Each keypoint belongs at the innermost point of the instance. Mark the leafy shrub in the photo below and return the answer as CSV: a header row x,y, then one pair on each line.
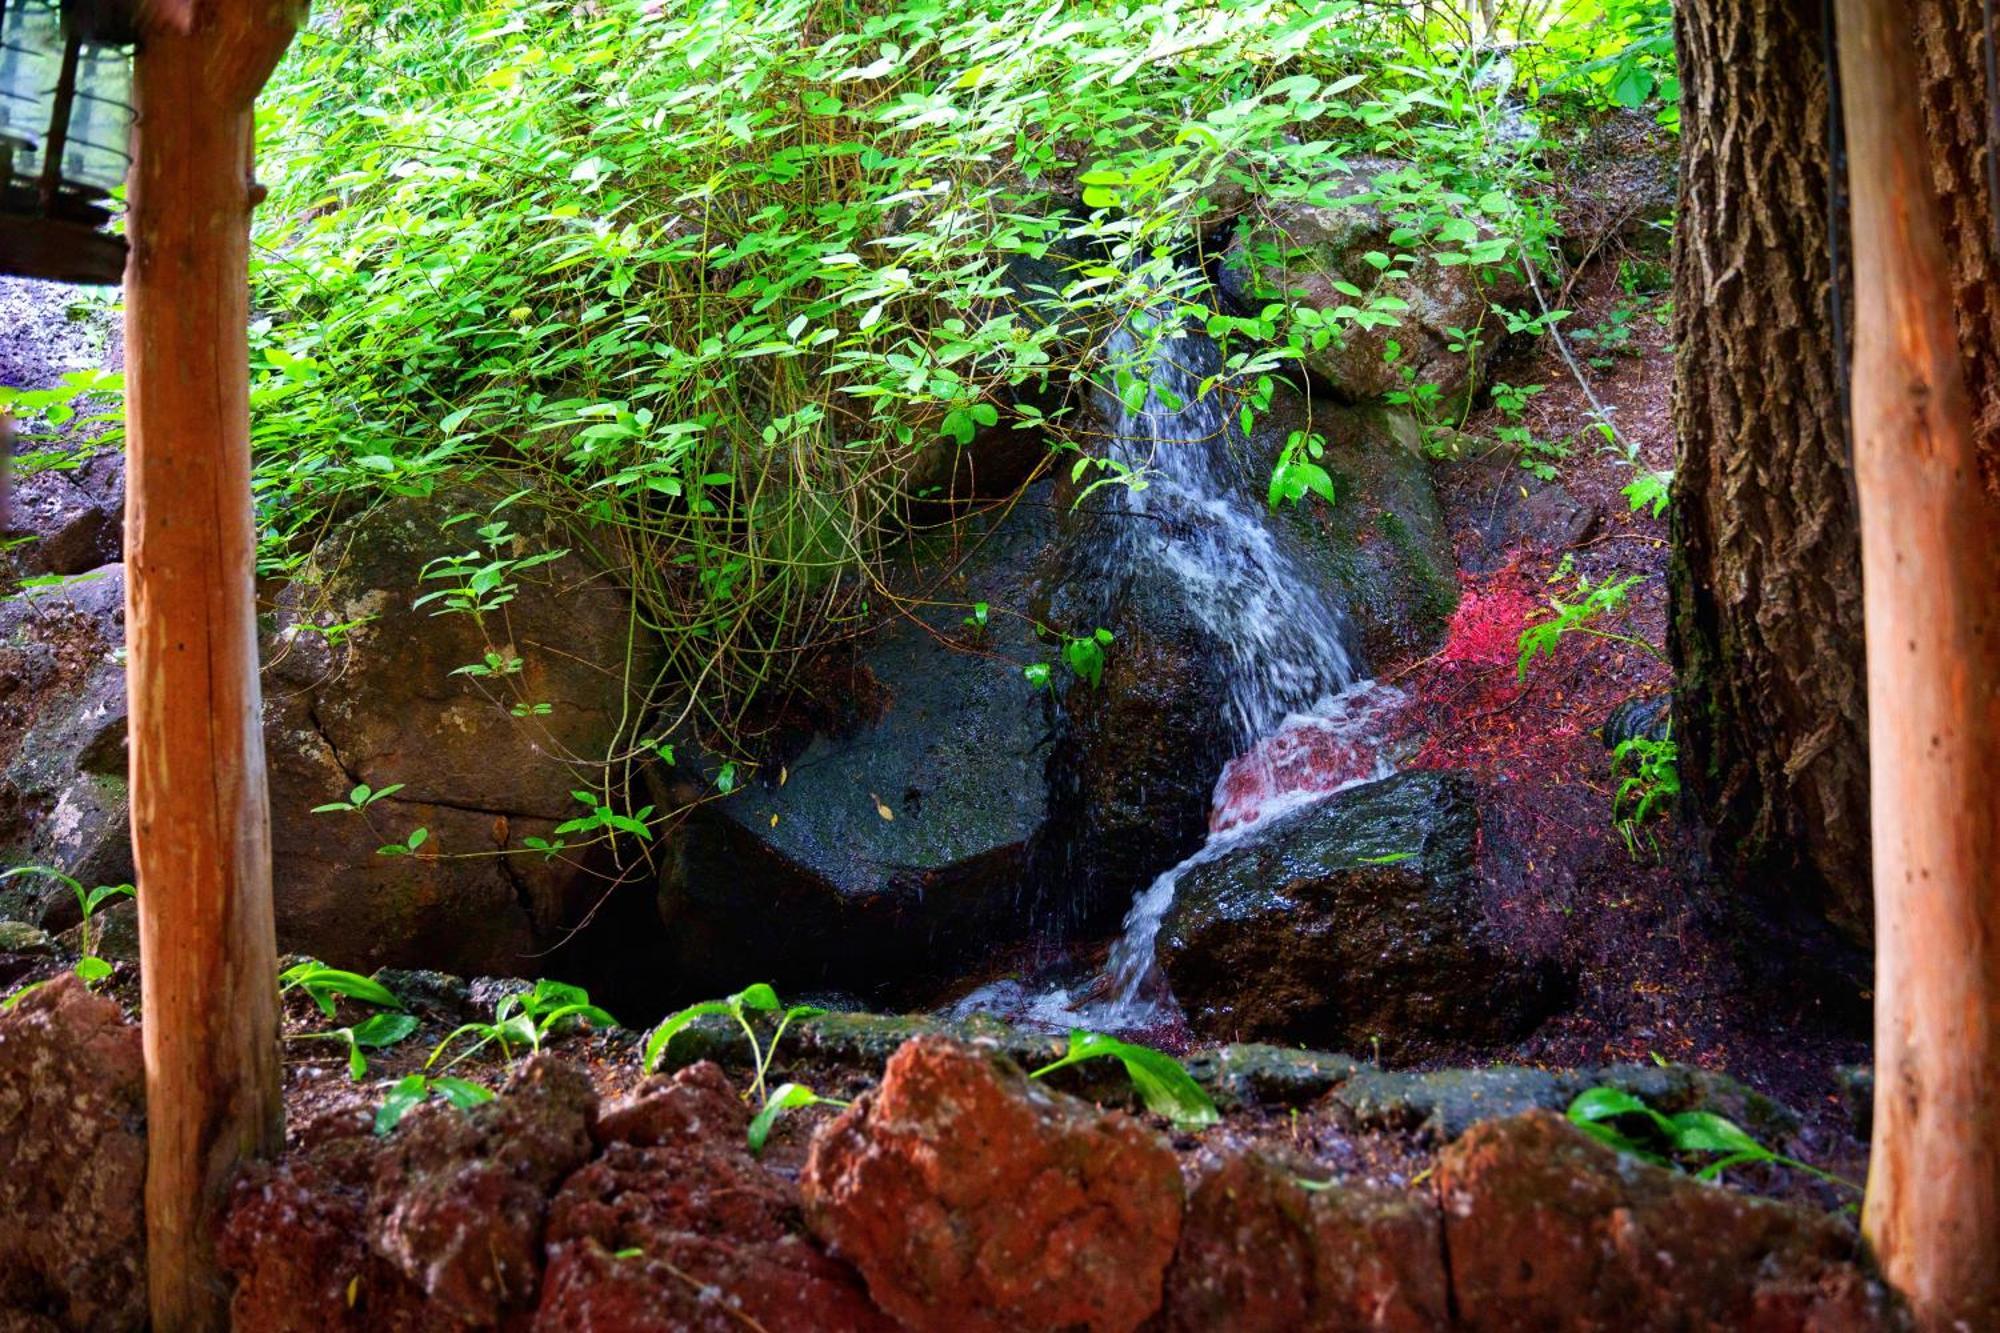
x,y
718,283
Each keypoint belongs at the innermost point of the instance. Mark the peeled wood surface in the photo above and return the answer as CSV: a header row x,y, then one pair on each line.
x,y
199,807
1931,569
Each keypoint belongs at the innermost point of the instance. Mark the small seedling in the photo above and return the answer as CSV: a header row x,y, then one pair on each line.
x,y
372,1033
412,1089
752,999
1162,1083
360,798
526,1020
785,1097
408,846
1617,1118
89,967
326,984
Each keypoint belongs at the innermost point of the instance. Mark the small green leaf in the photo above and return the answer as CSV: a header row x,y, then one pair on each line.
x,y
788,1097
656,1045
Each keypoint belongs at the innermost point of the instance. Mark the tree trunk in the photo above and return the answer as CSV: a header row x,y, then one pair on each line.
x,y
1931,566
199,808
1951,50
1766,632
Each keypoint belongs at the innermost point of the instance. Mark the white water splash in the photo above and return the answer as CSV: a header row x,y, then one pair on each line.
x,y
1197,519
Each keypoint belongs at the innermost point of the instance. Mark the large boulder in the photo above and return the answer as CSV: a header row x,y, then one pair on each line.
x,y
972,1199
363,686
1305,250
63,787
72,1135
1548,1229
1136,755
1355,920
1264,1251
896,833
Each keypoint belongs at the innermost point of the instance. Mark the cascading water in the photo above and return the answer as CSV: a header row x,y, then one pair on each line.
x,y
1300,715
1287,643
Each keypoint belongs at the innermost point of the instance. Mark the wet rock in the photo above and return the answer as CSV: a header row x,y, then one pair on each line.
x,y
1136,755
676,1227
1650,718
435,995
76,517
1258,1251
458,1197
378,703
1256,1074
1549,1229
1354,920
1509,508
63,791
1619,188
973,1199
1301,250
898,836
18,937
1383,541
72,1135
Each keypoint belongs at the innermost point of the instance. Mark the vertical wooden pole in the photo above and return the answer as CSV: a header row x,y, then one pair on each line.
x,y
1930,542
199,806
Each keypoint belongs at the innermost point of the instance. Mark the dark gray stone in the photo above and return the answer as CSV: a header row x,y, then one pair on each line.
x,y
898,838
1355,920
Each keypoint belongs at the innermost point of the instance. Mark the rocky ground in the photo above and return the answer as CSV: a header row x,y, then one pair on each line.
x,y
949,1192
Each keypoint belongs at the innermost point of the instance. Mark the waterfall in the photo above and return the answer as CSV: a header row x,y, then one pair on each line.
x,y
1302,718
1197,519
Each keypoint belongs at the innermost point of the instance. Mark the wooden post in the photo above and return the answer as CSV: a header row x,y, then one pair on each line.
x,y
200,831
1930,540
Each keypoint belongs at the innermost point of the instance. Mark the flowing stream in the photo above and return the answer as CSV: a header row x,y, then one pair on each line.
x,y
1301,716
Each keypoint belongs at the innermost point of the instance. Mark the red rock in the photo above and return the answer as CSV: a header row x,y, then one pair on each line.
x,y
972,1199
1547,1229
1260,1252
72,1141
696,1103
296,1244
710,1240
458,1197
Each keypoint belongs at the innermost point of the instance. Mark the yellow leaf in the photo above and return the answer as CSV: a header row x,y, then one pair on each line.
x,y
783,774
774,821
882,809
353,1290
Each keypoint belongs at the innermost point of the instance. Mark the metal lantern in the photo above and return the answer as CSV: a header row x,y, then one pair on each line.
x,y
65,129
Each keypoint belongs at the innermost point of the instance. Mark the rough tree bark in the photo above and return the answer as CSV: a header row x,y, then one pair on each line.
x,y
199,807
1931,569
1767,629
1767,579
